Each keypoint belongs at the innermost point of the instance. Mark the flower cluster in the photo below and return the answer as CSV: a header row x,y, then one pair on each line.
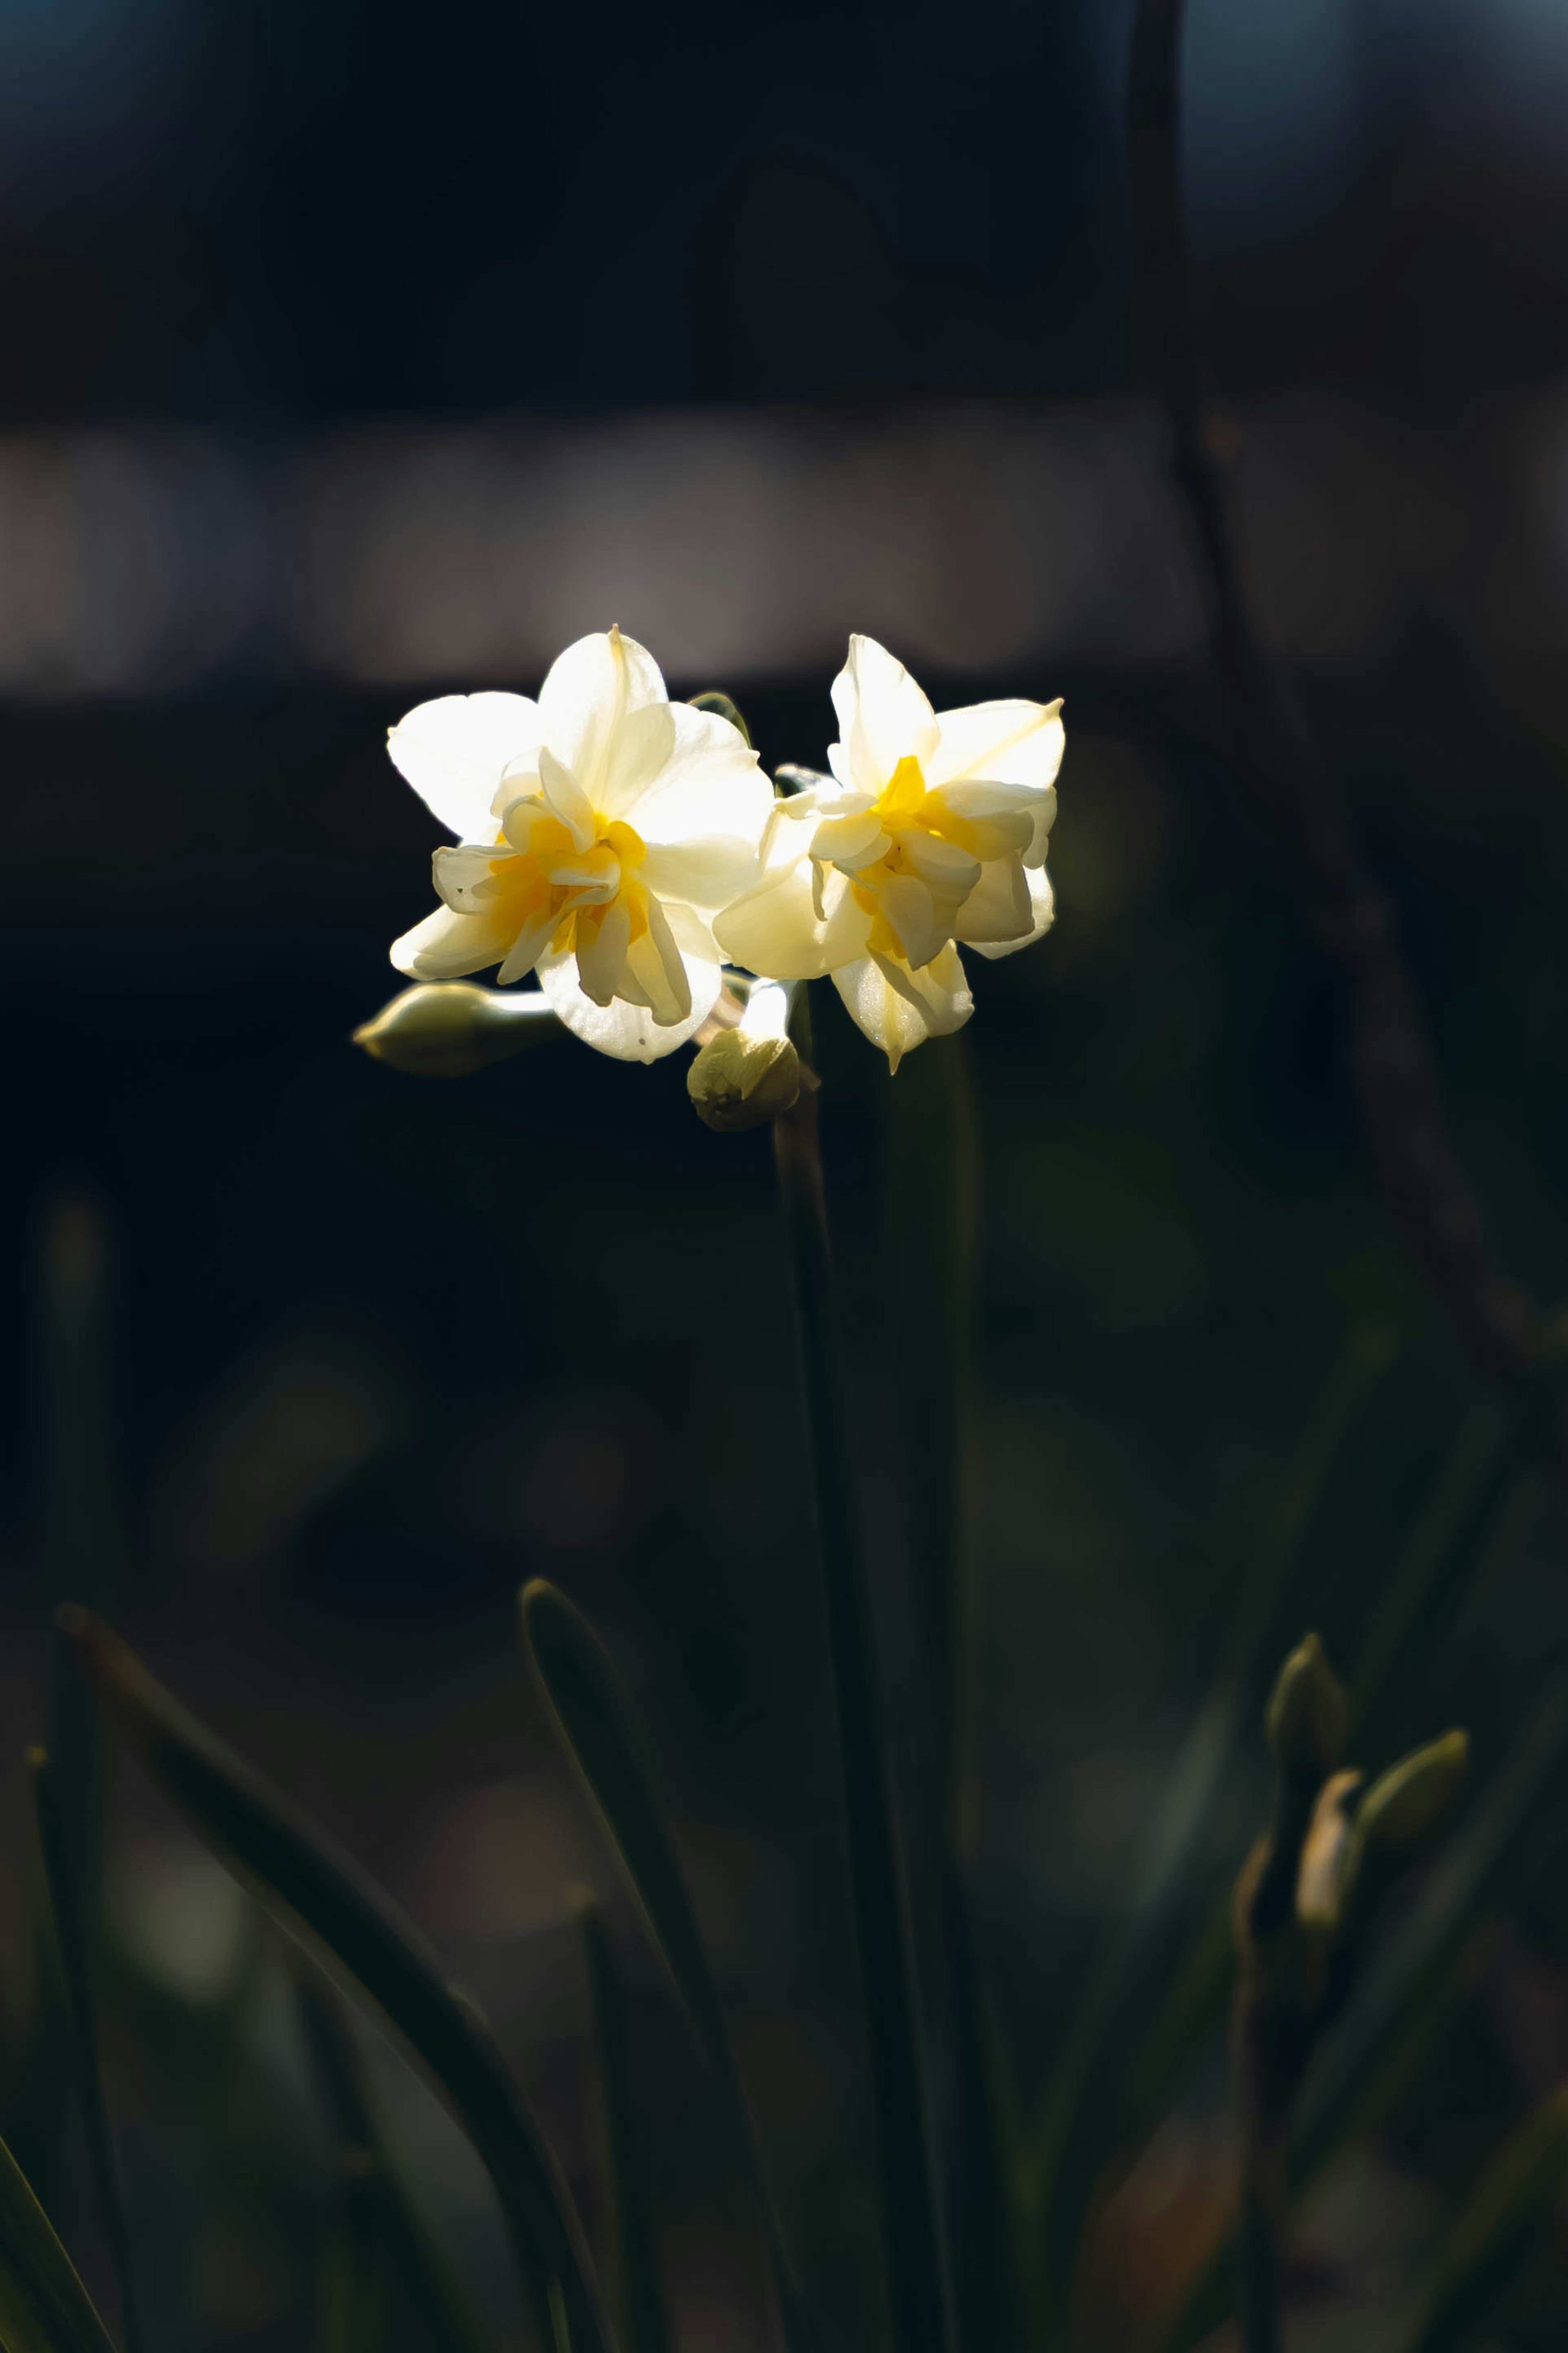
x,y
626,848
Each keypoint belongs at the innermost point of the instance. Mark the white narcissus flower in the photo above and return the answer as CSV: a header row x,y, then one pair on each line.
x,y
601,829
935,837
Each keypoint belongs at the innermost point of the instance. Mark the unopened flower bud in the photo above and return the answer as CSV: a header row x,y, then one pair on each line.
x,y
740,1080
450,1029
1308,1718
1405,1804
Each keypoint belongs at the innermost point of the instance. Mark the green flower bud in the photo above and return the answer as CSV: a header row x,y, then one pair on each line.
x,y
1307,1720
740,1080
1405,1804
450,1029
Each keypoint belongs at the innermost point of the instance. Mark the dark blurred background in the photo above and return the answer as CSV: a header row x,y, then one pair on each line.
x,y
354,354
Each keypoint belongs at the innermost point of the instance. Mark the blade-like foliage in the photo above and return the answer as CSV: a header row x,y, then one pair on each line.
x,y
381,2258
638,2275
1079,2126
311,1889
1497,2230
590,1713
44,2307
70,1939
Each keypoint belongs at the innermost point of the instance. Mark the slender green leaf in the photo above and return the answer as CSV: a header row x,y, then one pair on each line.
x,y
1485,1455
1495,2232
323,1897
380,2256
1081,2125
44,2307
70,1939
634,2228
912,2208
590,1713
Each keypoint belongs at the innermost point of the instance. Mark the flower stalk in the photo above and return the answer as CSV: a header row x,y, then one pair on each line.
x,y
911,2220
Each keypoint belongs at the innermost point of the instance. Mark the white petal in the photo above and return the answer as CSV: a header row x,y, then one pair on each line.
x,y
949,872
995,819
998,909
1045,817
851,842
628,1032
703,872
912,911
776,929
883,717
899,1009
527,947
566,798
446,946
637,753
465,876
590,690
452,752
1011,743
521,817
711,784
602,952
657,964
693,934
1042,907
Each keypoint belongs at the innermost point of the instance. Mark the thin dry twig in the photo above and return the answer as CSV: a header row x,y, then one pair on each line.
x,y
1394,1069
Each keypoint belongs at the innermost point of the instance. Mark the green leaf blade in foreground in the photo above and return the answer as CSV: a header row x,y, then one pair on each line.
x,y
586,1704
349,1922
1496,2233
640,2303
71,1943
44,2307
379,2253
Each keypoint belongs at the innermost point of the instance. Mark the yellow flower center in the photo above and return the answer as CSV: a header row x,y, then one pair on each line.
x,y
552,875
908,811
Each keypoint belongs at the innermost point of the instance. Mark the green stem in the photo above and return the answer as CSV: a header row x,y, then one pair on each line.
x,y
911,2213
931,1226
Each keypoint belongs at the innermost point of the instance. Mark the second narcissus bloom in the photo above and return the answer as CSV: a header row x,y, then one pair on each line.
x,y
932,836
601,829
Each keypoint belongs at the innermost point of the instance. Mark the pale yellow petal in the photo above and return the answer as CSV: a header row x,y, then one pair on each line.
x,y
566,798
777,929
899,1009
911,910
883,717
949,872
453,750
602,952
1042,907
629,1032
998,913
657,962
447,946
711,784
1009,743
466,877
527,947
851,842
590,690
